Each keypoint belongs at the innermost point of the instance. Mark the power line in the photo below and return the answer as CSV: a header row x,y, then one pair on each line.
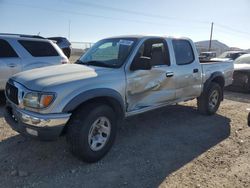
x,y
95,5
125,11
149,15
94,15
228,34
232,29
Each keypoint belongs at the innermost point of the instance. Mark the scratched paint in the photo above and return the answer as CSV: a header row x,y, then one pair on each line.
x,y
147,88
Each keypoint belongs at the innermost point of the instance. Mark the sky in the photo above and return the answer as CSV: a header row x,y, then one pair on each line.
x,y
90,21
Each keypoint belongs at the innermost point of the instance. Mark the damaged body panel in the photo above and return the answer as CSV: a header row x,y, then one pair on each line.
x,y
149,88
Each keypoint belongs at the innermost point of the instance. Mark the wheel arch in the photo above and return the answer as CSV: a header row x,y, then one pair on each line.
x,y
102,95
216,77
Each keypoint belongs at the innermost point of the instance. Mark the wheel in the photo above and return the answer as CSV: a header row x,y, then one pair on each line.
x,y
91,131
209,101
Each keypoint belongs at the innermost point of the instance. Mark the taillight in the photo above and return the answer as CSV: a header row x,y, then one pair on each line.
x,y
64,61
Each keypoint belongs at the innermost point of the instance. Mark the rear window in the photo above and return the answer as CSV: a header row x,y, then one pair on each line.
x,y
183,52
6,50
39,48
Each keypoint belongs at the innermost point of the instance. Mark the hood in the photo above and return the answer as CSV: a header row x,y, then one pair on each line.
x,y
242,67
37,79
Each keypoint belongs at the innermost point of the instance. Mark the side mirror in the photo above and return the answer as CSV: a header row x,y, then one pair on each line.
x,y
141,63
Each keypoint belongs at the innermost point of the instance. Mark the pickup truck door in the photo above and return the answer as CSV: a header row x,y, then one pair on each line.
x,y
154,87
188,73
10,63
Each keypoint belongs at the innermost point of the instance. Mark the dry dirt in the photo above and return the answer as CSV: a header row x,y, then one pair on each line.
x,y
171,147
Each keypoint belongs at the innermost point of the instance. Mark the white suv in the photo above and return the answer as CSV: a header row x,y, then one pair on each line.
x,y
23,52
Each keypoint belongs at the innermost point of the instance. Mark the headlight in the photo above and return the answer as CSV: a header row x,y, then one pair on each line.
x,y
38,100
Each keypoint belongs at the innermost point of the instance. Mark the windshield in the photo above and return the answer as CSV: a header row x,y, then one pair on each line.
x,y
108,52
243,60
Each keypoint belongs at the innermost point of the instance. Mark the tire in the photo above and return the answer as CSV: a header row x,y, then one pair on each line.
x,y
2,98
86,129
248,119
207,103
241,82
247,86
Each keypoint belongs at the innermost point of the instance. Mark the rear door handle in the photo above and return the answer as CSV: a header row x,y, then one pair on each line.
x,y
12,65
195,70
169,74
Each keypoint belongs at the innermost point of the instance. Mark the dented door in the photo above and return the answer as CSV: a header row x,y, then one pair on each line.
x,y
149,88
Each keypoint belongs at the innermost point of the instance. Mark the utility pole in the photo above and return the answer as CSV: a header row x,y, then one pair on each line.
x,y
211,36
69,30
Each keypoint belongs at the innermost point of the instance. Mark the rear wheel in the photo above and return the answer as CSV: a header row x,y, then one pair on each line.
x,y
91,132
209,101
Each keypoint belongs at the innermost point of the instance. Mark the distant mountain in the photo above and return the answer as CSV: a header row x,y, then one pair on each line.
x,y
216,46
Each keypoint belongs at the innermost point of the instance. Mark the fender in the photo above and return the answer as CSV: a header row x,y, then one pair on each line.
x,y
94,93
219,77
212,77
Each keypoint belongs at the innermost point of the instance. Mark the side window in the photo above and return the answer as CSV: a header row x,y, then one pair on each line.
x,y
156,51
183,52
39,48
6,50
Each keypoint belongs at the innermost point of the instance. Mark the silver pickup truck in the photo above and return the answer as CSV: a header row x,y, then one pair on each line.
x,y
118,77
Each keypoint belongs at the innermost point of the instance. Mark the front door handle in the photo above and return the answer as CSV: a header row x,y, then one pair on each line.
x,y
195,70
169,74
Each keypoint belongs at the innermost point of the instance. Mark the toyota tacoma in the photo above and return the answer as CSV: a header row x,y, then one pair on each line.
x,y
118,77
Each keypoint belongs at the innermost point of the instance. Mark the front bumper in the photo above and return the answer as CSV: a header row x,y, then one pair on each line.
x,y
41,126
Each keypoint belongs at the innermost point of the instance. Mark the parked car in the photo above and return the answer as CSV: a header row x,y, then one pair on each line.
x,y
116,78
241,76
24,52
229,55
64,44
206,56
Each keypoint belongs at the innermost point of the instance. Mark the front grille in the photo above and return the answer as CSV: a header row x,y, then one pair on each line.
x,y
12,93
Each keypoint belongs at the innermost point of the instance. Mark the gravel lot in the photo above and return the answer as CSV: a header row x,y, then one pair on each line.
x,y
171,147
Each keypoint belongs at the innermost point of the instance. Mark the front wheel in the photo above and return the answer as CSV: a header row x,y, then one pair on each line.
x,y
209,101
92,131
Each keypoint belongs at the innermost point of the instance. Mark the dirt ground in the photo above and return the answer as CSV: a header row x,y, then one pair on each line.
x,y
171,147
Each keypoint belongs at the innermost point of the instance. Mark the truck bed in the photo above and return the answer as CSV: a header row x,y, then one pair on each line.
x,y
226,67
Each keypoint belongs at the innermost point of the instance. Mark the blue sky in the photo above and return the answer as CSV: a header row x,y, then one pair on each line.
x,y
94,20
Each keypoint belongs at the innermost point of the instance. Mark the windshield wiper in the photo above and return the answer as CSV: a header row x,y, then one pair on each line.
x,y
78,61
